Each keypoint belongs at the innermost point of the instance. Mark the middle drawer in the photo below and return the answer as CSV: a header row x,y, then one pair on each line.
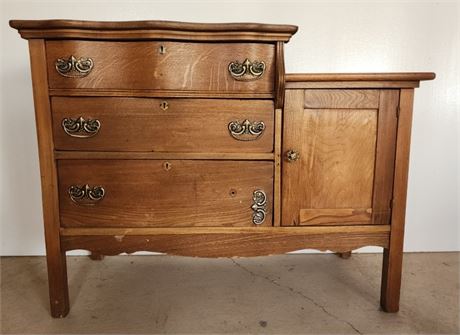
x,y
162,125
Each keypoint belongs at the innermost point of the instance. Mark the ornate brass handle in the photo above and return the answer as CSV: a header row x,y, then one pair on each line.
x,y
80,127
247,70
292,156
259,207
246,130
86,195
74,68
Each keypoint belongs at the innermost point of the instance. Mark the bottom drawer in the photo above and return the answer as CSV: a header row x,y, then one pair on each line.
x,y
160,193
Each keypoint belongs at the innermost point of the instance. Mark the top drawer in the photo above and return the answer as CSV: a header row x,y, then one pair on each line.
x,y
161,65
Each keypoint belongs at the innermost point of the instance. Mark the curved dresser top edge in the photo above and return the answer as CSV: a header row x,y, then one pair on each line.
x,y
126,30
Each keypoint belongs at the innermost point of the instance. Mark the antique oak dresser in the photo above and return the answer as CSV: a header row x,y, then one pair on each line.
x,y
190,139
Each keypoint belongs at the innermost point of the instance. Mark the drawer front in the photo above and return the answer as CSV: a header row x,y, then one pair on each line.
x,y
161,66
158,193
173,125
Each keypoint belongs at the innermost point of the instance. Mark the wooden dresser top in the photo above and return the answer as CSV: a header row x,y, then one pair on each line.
x,y
356,80
127,30
332,77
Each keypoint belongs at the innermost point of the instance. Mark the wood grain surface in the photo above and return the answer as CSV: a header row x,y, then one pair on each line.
x,y
55,255
358,84
337,156
138,30
342,99
389,76
333,215
393,254
187,125
242,242
150,93
183,66
171,193
385,156
163,155
152,24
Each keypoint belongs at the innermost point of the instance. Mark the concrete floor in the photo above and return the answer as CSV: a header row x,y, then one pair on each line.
x,y
290,294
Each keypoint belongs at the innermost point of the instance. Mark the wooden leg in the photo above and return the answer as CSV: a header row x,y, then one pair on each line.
x,y
393,255
57,280
55,256
96,257
344,255
391,280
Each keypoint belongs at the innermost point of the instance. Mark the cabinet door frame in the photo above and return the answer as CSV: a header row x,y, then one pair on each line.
x,y
386,104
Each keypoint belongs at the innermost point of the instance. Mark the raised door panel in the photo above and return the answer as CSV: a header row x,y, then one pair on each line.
x,y
343,155
159,193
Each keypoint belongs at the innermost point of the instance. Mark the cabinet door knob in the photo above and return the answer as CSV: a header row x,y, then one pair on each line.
x,y
292,156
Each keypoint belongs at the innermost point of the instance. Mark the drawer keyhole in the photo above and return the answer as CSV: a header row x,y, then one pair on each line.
x,y
167,166
164,105
162,49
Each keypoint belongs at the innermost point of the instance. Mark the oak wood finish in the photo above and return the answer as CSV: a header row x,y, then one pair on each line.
x,y
174,179
277,166
161,193
138,30
385,156
225,230
191,27
163,155
333,179
55,254
66,92
322,99
186,125
224,242
183,66
392,256
279,75
313,216
352,84
359,77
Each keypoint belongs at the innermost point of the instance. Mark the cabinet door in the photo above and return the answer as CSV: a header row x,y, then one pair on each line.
x,y
339,151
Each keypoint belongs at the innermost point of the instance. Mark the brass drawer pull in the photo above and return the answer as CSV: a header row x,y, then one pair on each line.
x,y
80,127
247,70
86,195
246,130
74,68
292,156
259,207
